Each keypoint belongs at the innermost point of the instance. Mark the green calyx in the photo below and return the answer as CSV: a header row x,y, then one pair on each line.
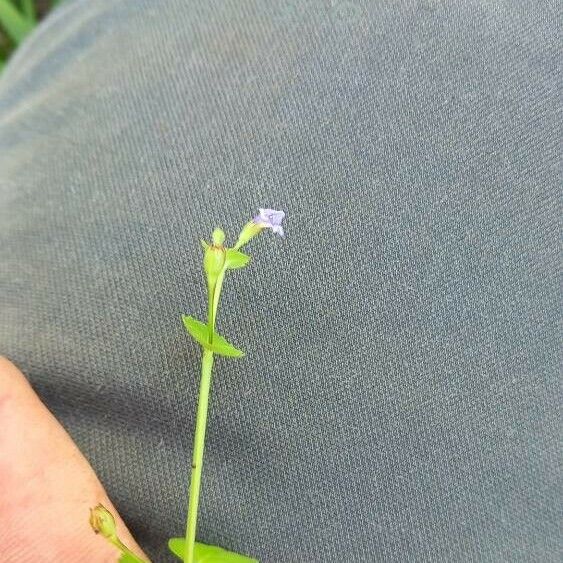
x,y
249,231
216,261
103,523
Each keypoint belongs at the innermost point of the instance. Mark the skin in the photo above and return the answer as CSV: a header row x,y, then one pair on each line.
x,y
46,485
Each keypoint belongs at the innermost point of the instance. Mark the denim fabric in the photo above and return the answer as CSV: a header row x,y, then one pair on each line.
x,y
401,395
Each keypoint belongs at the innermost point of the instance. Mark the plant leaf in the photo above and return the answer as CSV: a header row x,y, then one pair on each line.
x,y
223,348
196,329
176,546
13,22
235,259
200,333
207,553
129,558
28,8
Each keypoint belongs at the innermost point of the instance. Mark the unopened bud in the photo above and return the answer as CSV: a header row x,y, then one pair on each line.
x,y
103,522
218,237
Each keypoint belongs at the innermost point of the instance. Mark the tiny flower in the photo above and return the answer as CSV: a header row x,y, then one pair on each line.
x,y
270,219
102,522
266,219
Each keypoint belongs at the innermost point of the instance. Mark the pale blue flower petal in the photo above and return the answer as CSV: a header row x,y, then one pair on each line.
x,y
270,219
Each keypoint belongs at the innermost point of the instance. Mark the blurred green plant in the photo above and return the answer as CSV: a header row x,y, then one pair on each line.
x,y
17,20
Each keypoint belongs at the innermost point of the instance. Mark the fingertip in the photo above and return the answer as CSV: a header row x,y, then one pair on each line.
x,y
13,383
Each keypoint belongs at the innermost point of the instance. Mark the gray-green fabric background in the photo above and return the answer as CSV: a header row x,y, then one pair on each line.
x,y
401,395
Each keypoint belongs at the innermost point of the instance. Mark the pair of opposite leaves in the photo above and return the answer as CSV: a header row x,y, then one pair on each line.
x,y
200,331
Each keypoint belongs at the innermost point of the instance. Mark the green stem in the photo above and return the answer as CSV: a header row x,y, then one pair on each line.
x,y
197,460
125,550
213,294
216,295
210,321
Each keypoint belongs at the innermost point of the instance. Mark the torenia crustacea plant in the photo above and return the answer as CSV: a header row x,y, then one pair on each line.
x,y
217,261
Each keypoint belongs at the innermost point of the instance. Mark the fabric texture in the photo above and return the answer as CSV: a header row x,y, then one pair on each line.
x,y
400,398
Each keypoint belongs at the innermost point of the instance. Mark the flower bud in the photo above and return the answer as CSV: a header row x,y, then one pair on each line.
x,y
218,237
102,522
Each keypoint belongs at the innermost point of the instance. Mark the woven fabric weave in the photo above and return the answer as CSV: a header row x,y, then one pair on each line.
x,y
400,399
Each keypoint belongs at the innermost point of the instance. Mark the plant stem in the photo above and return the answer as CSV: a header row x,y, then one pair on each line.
x,y
126,551
197,459
213,293
216,295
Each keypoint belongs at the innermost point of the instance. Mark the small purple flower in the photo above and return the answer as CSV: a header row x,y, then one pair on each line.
x,y
270,219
